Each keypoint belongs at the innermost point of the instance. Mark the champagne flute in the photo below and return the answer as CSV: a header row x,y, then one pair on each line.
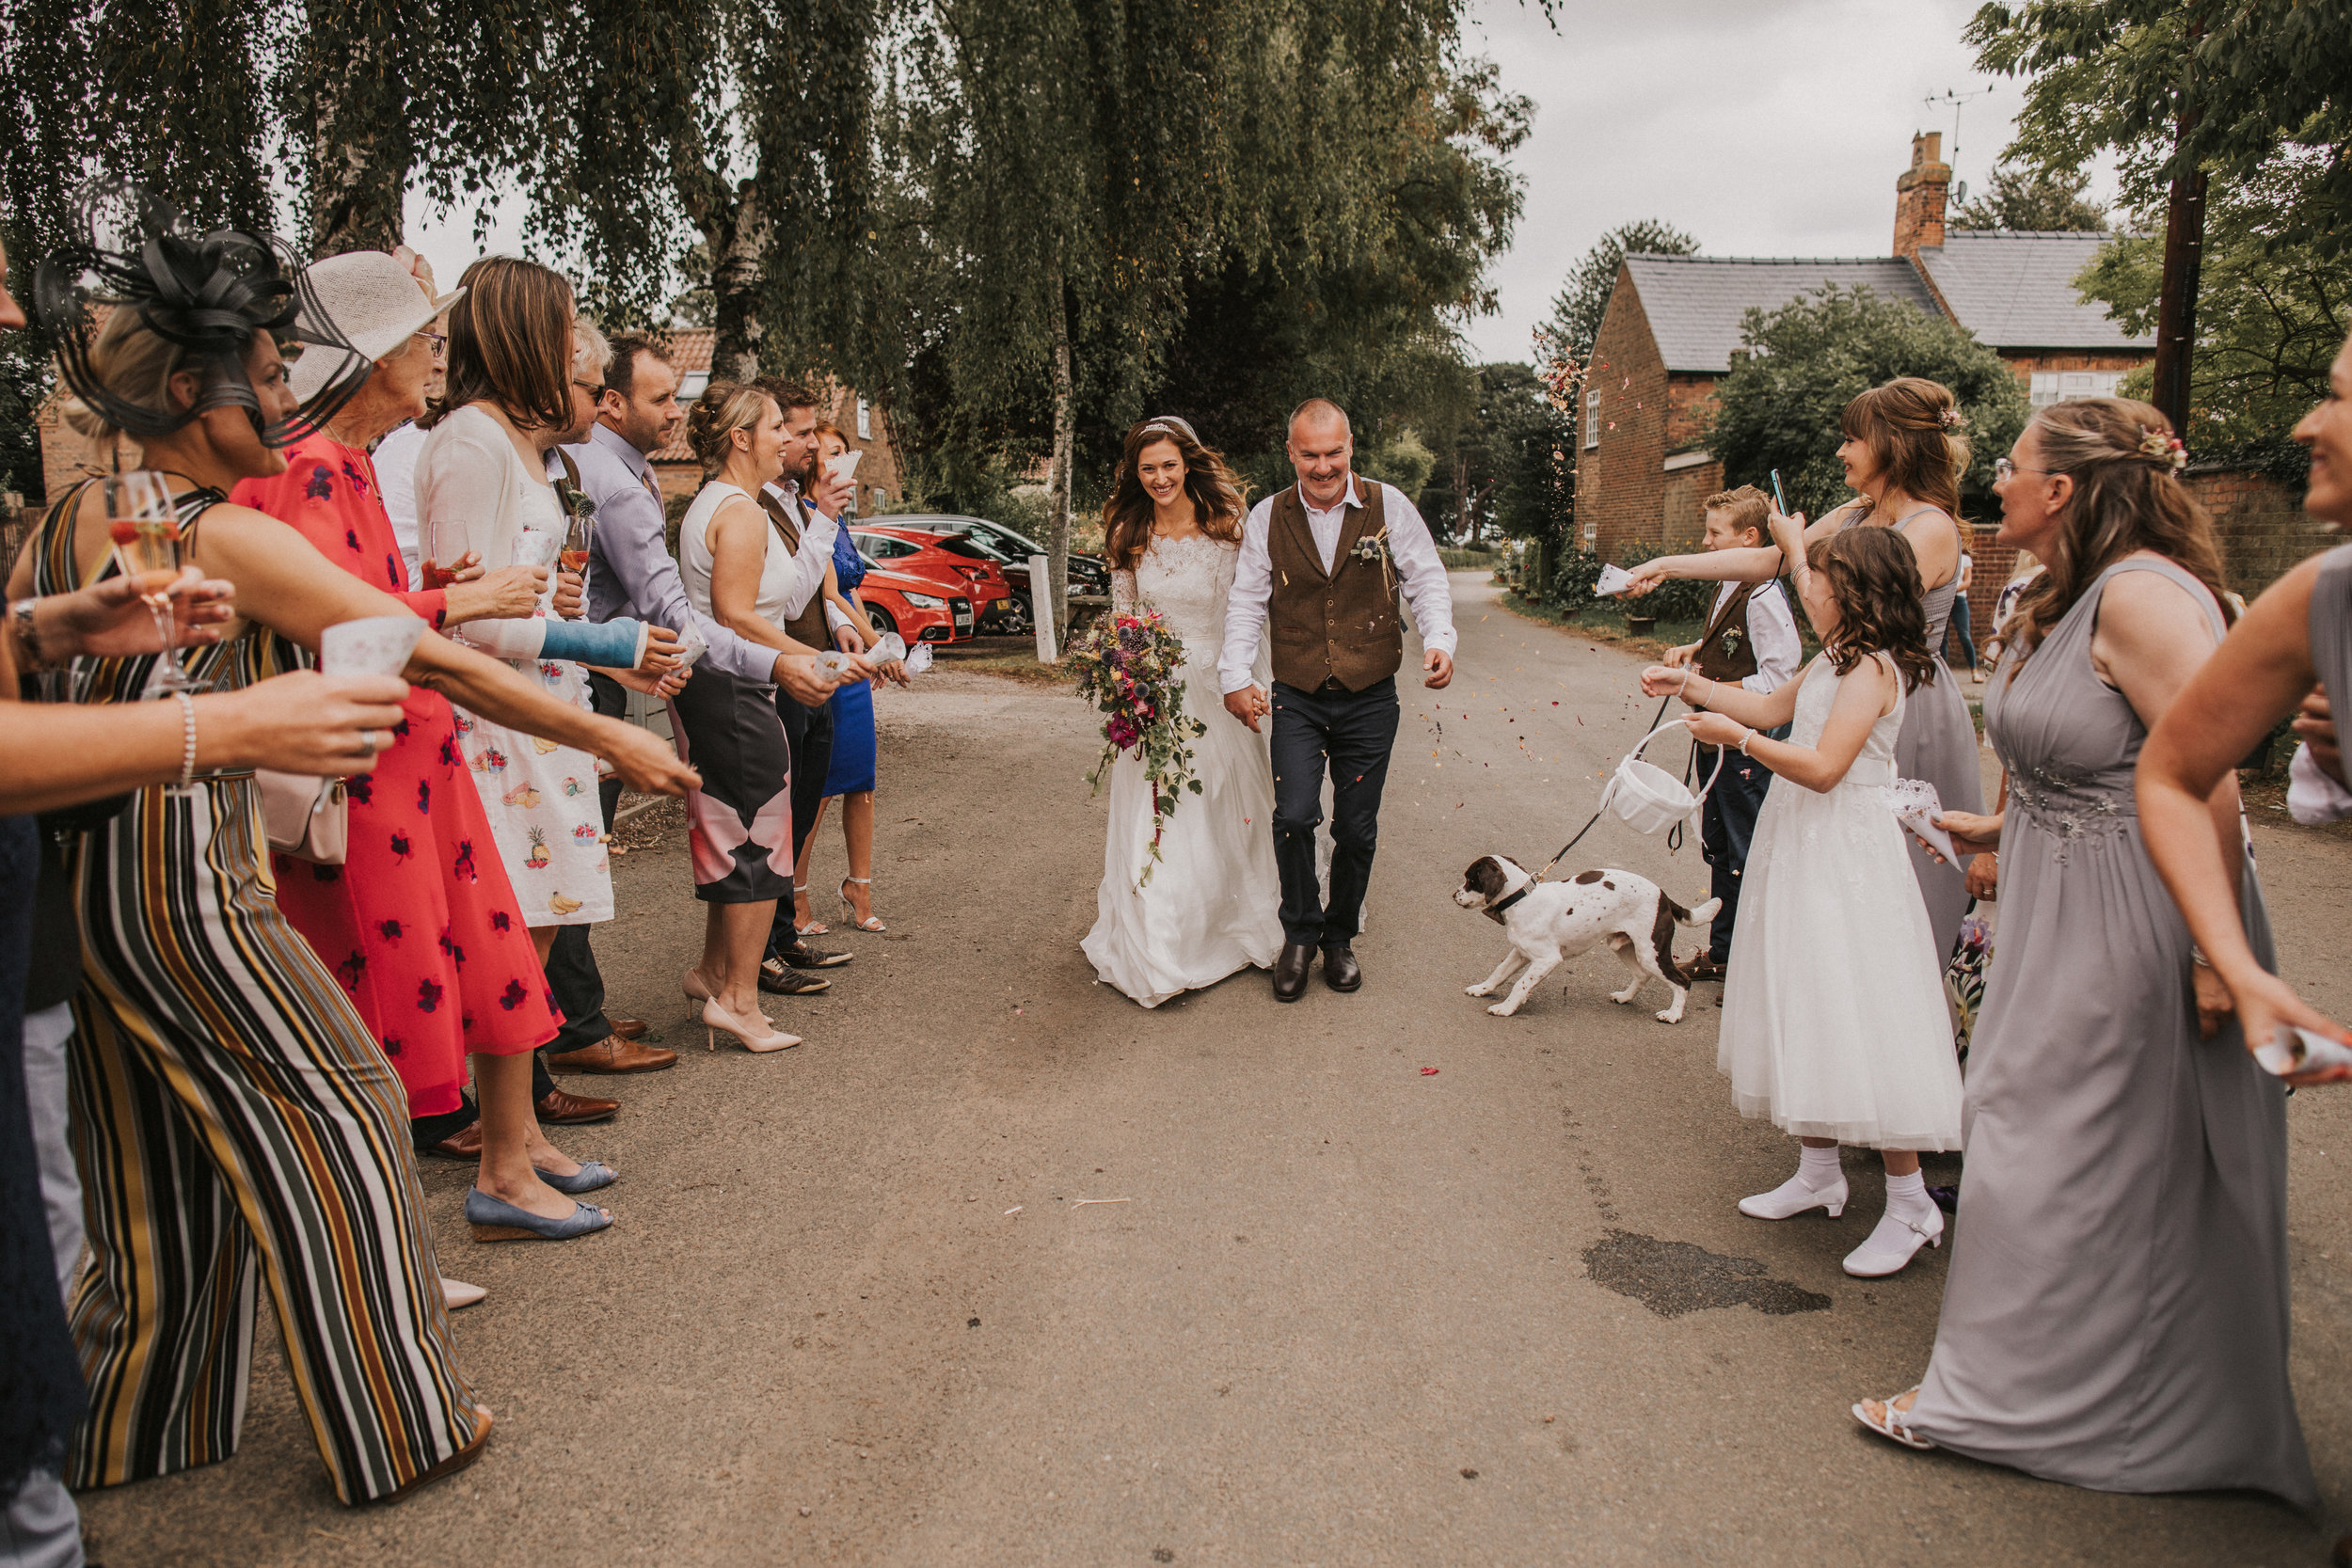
x,y
579,536
144,525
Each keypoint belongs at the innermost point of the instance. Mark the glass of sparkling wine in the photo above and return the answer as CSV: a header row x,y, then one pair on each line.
x,y
578,538
144,528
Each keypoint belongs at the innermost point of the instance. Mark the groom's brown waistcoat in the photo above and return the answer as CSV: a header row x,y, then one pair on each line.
x,y
1342,624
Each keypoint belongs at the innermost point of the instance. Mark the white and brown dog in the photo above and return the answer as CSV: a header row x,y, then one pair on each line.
x,y
1549,922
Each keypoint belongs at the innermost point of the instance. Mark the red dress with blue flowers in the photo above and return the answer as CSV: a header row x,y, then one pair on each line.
x,y
420,922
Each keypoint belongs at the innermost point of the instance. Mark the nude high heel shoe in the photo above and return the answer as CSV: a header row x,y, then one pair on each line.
x,y
694,986
756,1033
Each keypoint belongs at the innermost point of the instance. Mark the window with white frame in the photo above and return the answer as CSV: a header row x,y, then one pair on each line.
x,y
1592,418
2066,386
864,420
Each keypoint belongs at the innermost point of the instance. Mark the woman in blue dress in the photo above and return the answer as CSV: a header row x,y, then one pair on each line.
x,y
851,776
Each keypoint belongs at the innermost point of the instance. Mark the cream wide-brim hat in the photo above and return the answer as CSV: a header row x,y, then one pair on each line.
x,y
370,302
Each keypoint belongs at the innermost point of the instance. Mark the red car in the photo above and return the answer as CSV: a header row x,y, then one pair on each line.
x,y
918,608
957,564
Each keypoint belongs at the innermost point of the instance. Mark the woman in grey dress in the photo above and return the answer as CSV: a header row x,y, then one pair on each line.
x,y
1902,455
2116,1315
2298,632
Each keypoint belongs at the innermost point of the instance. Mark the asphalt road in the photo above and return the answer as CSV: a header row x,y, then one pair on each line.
x,y
863,1302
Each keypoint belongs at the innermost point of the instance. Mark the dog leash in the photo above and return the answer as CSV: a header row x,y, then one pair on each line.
x,y
1674,839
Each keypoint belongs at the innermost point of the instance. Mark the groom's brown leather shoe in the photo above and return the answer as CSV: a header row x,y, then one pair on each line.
x,y
1290,971
1339,967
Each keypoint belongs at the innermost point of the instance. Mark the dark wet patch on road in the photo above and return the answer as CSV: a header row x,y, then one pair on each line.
x,y
1673,1277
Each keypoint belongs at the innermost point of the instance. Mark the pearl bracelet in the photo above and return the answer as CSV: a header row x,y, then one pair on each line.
x,y
187,750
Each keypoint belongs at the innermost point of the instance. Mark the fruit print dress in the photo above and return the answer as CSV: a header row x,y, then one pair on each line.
x,y
419,924
474,493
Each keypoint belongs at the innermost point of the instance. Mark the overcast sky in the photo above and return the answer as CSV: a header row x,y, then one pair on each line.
x,y
1763,127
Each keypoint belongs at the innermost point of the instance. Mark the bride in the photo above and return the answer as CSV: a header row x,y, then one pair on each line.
x,y
1171,534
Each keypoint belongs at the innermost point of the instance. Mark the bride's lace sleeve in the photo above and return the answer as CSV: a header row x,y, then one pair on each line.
x,y
1124,595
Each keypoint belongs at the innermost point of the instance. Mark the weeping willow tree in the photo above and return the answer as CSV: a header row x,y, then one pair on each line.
x,y
1194,204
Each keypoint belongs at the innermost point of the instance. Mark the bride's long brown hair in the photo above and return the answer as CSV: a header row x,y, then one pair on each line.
x,y
1218,497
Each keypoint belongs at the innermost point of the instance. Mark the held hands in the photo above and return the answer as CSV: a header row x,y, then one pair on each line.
x,y
1247,702
1440,667
301,722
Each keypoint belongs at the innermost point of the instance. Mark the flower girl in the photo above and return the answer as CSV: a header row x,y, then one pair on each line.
x,y
1833,1018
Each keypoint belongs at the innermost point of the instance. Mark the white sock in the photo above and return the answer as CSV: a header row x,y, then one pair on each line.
x,y
1817,1167
1907,1197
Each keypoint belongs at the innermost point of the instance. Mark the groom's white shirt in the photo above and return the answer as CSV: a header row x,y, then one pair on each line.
x,y
1410,545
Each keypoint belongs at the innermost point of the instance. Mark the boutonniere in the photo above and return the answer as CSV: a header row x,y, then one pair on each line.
x,y
575,501
1374,547
1730,641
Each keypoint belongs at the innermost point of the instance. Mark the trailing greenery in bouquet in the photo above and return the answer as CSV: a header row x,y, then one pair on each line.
x,y
1128,666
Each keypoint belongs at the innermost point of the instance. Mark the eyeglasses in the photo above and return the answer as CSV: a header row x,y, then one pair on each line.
x,y
593,389
437,341
2004,470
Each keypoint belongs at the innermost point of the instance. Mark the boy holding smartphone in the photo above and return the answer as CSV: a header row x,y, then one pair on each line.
x,y
1751,639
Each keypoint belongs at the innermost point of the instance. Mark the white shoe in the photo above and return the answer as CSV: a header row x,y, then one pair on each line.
x,y
456,1293
1892,1244
1793,1197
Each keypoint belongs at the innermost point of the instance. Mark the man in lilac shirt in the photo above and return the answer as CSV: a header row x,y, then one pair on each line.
x,y
631,572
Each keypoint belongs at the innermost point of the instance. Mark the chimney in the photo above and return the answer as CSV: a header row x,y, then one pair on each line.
x,y
1919,195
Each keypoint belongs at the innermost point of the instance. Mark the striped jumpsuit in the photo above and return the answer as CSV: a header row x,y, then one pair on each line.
x,y
236,1127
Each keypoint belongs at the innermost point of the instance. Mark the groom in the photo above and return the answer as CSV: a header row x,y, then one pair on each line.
x,y
1322,563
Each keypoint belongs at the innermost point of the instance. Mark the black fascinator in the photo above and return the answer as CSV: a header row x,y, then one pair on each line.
x,y
208,294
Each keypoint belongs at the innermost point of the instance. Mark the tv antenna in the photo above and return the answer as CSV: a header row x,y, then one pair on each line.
x,y
1958,101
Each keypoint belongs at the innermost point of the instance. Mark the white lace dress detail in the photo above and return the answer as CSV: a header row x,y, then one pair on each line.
x,y
1213,905
1835,1024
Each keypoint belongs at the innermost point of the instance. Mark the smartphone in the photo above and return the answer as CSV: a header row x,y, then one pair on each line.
x,y
1780,497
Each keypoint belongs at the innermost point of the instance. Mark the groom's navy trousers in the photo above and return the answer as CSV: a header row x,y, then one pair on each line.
x,y
1353,731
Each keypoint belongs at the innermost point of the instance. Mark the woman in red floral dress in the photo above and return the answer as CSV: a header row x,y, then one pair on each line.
x,y
419,922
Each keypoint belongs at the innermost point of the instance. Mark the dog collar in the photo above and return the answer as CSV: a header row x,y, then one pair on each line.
x,y
1509,898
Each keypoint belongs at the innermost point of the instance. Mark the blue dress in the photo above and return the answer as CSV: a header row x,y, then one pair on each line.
x,y
852,766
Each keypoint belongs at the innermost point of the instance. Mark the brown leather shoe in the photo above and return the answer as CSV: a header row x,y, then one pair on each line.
x,y
1290,971
613,1054
464,1144
558,1109
628,1028
1339,967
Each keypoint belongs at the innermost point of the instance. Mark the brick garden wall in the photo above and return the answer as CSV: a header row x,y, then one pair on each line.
x,y
2261,524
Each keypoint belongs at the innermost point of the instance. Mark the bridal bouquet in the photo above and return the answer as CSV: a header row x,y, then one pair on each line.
x,y
1128,665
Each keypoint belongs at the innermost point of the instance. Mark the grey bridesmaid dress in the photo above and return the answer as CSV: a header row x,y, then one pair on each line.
x,y
1938,743
2116,1314
2330,629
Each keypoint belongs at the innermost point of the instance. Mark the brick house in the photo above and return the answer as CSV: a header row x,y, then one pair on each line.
x,y
1673,325
879,483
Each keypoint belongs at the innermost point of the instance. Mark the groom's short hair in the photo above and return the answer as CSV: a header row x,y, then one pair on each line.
x,y
1318,409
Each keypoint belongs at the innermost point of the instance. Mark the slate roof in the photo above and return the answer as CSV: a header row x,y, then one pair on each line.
x,y
1694,303
690,348
2015,289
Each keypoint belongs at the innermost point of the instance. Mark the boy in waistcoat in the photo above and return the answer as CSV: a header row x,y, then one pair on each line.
x,y
1750,638
1321,565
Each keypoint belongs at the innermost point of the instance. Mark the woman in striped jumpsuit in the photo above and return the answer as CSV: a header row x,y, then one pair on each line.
x,y
230,1109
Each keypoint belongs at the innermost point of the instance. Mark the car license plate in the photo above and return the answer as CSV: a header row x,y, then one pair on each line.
x,y
964,615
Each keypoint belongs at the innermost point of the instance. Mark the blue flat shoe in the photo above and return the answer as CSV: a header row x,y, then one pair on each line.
x,y
591,1175
497,1220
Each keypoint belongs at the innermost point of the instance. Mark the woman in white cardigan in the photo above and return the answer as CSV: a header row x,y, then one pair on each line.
x,y
480,482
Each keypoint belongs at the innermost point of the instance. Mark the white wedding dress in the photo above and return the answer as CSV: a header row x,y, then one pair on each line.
x,y
1213,905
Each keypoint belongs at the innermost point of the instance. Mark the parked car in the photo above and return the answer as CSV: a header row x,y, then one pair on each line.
x,y
918,608
957,564
1090,576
